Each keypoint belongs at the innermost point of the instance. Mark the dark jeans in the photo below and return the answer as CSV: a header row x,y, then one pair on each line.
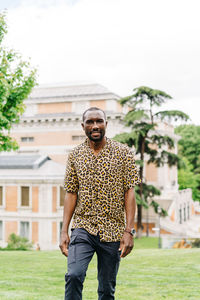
x,y
81,250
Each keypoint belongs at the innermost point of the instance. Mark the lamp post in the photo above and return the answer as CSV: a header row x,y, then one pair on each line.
x,y
159,210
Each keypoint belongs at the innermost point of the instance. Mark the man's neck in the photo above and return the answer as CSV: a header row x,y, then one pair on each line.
x,y
97,146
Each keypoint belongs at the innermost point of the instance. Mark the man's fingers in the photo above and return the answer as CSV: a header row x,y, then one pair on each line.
x,y
123,251
64,248
65,252
126,250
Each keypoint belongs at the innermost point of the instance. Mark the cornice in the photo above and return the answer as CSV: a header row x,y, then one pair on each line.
x,y
44,120
72,98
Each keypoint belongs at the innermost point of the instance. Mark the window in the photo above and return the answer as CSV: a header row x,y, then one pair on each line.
x,y
24,229
1,195
27,139
62,196
24,196
1,230
78,138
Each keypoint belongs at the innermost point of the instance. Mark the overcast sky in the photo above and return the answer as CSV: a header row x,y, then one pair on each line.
x,y
121,44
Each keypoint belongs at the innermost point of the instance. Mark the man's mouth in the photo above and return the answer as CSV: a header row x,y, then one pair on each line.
x,y
95,133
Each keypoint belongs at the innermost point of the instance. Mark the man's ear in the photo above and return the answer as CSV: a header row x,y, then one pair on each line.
x,y
82,124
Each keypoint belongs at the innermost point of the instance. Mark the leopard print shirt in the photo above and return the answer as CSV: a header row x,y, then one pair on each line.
x,y
100,182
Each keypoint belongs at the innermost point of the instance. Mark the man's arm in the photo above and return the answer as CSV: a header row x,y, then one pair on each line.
x,y
69,207
126,243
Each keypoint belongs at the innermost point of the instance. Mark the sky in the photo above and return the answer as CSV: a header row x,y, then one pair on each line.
x,y
121,44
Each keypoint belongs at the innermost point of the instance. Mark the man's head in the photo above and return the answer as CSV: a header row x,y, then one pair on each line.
x,y
94,124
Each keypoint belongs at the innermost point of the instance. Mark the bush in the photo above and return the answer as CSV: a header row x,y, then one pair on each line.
x,y
196,243
16,242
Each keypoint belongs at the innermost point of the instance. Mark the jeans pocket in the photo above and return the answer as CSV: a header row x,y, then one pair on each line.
x,y
72,250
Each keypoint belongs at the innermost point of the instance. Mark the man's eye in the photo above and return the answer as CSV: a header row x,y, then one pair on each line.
x,y
89,122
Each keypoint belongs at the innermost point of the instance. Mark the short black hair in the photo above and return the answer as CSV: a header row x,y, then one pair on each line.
x,y
92,109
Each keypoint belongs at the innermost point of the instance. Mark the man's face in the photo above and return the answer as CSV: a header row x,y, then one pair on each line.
x,y
94,125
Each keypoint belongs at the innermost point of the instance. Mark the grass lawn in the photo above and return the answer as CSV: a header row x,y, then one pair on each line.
x,y
145,274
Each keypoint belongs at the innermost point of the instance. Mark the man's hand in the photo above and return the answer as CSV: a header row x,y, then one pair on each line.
x,y
126,244
64,243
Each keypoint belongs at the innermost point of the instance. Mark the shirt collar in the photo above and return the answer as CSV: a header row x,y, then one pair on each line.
x,y
106,146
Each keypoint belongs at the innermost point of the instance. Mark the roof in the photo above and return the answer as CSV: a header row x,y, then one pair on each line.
x,y
70,91
36,171
22,161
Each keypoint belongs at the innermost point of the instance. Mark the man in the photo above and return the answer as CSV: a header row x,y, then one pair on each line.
x,y
99,183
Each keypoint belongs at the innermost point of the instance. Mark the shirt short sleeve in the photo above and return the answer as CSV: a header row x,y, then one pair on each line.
x,y
131,176
71,184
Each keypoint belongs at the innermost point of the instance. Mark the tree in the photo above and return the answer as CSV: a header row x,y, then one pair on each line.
x,y
188,179
189,149
17,79
189,144
146,138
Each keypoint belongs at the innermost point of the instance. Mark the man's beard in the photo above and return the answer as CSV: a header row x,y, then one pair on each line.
x,y
95,139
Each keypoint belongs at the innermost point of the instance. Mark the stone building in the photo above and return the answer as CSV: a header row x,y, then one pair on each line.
x,y
31,179
31,199
51,123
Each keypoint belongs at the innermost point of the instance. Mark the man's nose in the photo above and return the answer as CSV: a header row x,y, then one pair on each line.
x,y
95,125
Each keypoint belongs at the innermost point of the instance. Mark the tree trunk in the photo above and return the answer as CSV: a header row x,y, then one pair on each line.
x,y
139,206
139,221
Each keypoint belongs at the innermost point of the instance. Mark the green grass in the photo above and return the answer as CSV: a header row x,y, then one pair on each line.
x,y
145,274
146,243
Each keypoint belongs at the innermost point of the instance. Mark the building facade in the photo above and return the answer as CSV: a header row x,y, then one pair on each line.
x,y
52,121
32,199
